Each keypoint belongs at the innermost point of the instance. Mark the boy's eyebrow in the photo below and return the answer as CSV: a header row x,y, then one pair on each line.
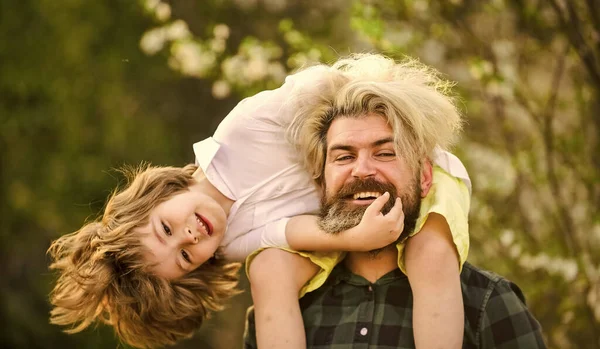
x,y
346,147
162,241
185,271
156,233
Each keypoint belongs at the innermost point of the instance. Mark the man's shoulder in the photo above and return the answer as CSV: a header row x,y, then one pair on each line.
x,y
481,287
496,311
474,277
478,283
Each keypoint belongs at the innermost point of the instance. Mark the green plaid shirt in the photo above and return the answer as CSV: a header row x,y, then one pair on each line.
x,y
350,312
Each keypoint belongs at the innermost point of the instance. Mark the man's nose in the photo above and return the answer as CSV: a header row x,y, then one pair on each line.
x,y
363,167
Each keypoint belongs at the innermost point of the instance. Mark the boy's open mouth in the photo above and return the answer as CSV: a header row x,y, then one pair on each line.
x,y
204,224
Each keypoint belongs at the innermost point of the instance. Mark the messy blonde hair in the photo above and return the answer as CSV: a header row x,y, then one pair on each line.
x,y
411,96
103,276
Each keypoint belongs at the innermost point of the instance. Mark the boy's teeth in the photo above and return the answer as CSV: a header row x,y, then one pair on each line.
x,y
366,194
202,223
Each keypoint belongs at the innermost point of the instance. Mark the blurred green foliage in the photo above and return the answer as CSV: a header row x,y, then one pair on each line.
x,y
88,87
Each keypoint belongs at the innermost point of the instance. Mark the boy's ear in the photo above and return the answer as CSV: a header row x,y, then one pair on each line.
x,y
426,177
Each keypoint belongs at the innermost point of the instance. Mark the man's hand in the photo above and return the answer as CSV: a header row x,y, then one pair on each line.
x,y
376,230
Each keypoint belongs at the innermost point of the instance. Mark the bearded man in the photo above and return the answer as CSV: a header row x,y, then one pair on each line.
x,y
361,139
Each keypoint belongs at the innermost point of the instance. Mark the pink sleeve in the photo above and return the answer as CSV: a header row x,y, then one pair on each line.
x,y
269,235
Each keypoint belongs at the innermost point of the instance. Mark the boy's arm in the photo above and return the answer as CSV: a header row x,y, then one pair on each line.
x,y
302,233
276,277
374,231
432,267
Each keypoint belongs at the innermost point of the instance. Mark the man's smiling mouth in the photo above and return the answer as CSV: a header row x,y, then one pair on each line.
x,y
366,195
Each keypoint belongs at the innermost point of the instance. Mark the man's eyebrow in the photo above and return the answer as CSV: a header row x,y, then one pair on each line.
x,y
335,147
346,147
383,141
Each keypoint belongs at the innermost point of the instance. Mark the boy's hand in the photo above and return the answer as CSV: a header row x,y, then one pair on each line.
x,y
376,230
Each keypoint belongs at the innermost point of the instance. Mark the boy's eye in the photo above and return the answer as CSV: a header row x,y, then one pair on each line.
x,y
185,256
166,229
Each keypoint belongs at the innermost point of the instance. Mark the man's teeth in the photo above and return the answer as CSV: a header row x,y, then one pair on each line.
x,y
366,194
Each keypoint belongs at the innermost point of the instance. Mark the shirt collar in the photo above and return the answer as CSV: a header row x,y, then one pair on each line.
x,y
205,151
342,274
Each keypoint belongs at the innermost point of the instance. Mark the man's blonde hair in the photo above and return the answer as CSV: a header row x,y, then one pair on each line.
x,y
103,276
411,96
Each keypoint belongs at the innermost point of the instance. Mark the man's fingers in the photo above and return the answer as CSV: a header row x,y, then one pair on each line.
x,y
376,206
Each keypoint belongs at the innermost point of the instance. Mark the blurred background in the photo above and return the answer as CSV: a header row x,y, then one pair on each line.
x,y
88,86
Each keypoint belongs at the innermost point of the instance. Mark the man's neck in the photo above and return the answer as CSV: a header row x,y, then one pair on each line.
x,y
373,266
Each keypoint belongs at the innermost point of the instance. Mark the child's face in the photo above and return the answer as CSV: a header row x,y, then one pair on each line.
x,y
183,233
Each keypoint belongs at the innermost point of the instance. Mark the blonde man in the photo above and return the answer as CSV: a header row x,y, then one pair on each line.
x,y
364,135
148,266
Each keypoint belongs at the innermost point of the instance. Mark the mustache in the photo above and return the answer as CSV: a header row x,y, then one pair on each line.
x,y
338,213
365,185
338,200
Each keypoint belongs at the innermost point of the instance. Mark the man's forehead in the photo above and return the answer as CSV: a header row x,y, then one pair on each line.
x,y
369,130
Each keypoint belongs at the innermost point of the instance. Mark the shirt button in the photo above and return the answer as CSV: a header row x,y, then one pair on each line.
x,y
370,288
364,331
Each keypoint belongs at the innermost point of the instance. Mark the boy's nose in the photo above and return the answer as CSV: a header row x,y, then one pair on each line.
x,y
190,236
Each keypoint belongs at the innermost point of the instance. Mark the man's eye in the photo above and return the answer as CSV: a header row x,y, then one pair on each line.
x,y
186,256
344,158
387,154
166,229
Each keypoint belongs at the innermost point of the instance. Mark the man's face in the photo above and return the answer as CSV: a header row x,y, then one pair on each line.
x,y
361,164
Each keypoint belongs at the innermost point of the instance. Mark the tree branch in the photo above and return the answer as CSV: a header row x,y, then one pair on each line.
x,y
573,32
594,11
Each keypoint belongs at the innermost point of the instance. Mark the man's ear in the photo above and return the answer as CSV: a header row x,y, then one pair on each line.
x,y
426,177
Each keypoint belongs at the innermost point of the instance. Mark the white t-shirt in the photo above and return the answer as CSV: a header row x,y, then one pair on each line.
x,y
249,160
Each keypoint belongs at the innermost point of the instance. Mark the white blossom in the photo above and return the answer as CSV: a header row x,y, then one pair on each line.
x,y
150,5
221,89
221,31
567,268
163,11
256,69
277,71
217,45
178,30
153,41
507,237
232,69
192,60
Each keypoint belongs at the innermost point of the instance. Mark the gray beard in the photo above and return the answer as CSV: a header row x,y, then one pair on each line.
x,y
338,214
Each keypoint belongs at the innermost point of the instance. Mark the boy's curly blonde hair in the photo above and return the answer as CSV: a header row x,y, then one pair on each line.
x,y
103,276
